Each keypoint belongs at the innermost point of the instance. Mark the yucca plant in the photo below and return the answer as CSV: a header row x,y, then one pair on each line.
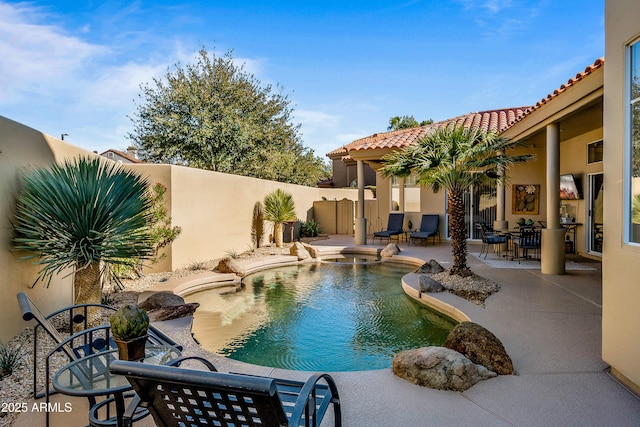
x,y
454,158
85,214
278,208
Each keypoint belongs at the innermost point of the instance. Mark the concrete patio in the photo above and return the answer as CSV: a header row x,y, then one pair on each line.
x,y
550,325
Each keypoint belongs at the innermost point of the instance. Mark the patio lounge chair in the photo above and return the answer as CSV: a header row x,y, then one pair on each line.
x,y
73,345
394,227
428,228
490,239
179,396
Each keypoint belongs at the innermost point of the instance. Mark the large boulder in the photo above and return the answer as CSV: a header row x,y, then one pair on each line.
x,y
480,346
430,267
390,250
161,299
440,368
166,306
230,265
298,250
173,312
428,284
312,251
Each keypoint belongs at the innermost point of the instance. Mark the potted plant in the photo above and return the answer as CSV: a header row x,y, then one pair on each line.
x,y
129,327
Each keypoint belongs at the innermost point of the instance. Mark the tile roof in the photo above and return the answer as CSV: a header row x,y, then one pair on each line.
x,y
122,154
598,63
493,120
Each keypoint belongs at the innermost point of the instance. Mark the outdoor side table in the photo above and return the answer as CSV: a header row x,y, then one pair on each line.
x,y
90,377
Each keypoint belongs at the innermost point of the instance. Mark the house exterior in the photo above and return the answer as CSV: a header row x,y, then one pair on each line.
x,y
563,132
621,258
345,171
130,157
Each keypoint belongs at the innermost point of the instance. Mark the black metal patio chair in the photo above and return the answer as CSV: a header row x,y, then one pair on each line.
x,y
74,345
527,239
188,397
490,239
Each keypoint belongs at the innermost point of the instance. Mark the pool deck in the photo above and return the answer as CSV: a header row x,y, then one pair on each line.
x,y
549,324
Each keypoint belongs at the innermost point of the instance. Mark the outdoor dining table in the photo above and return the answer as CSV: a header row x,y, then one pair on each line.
x,y
90,377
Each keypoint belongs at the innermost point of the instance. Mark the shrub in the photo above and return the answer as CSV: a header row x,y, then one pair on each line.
x,y
9,358
310,228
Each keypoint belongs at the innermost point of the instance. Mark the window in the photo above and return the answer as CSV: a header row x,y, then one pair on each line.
x,y
594,152
410,194
633,216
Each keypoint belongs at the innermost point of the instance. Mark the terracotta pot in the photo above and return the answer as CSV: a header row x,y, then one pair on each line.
x,y
132,349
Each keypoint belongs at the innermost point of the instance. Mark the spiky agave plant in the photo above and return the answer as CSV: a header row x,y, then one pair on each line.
x,y
278,208
84,214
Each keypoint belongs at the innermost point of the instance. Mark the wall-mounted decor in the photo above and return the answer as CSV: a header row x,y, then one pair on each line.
x,y
526,199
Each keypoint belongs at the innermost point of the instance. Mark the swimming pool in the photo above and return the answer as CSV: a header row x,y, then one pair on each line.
x,y
317,317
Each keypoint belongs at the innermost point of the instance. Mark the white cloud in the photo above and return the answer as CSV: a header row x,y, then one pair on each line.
x,y
491,6
37,58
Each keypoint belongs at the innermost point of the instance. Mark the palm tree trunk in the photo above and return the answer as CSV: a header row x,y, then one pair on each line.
x,y
457,229
277,234
87,288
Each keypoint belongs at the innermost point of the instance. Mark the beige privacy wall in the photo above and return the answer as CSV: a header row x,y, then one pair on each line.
x,y
213,209
22,148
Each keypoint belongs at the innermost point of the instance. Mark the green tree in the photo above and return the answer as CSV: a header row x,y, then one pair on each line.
x,y
214,115
86,215
454,158
278,208
405,122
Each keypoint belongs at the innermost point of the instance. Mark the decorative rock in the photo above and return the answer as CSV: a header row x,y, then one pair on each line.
x,y
439,368
173,312
480,346
430,267
229,265
298,249
161,299
427,284
312,251
390,250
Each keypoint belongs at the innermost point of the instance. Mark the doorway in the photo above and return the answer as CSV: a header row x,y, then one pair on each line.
x,y
480,207
595,199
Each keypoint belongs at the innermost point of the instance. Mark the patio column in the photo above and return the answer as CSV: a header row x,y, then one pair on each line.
x,y
552,249
361,221
401,194
500,223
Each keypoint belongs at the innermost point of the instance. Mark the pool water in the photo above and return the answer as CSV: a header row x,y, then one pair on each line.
x,y
317,317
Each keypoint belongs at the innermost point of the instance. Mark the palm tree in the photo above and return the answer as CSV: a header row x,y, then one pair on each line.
x,y
278,208
454,158
86,214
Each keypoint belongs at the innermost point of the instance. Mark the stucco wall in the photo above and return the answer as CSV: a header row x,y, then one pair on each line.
x,y
22,148
621,262
213,209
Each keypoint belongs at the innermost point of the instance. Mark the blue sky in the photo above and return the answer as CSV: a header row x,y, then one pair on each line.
x,y
348,66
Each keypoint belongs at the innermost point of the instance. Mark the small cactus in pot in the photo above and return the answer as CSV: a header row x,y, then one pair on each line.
x,y
129,326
